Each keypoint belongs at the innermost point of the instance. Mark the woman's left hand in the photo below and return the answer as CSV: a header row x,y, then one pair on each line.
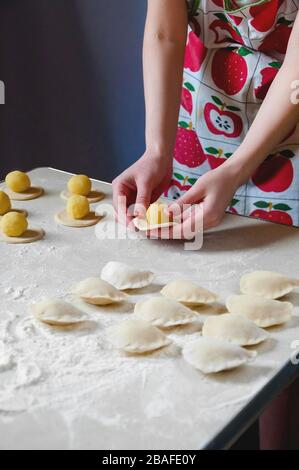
x,y
203,206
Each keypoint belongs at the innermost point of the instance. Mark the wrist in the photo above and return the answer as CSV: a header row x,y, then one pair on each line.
x,y
159,152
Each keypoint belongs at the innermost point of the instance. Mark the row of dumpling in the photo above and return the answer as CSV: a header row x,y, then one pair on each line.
x,y
223,336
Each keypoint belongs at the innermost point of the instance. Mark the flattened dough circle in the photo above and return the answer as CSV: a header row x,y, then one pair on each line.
x,y
93,196
142,224
92,218
32,193
32,234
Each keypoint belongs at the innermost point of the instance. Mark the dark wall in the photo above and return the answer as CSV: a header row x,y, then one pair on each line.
x,y
73,78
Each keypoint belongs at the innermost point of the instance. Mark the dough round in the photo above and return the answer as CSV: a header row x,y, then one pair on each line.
x,y
31,193
5,204
18,181
80,185
93,196
13,224
63,218
77,207
31,235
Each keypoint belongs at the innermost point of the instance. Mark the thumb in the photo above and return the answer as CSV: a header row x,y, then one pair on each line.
x,y
192,196
143,198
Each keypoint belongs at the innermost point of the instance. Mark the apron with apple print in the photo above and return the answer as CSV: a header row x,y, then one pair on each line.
x,y
233,53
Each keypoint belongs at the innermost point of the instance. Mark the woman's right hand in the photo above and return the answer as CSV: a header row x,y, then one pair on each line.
x,y
140,185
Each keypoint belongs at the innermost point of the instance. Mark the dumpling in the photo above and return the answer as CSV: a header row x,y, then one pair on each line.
x,y
234,328
263,312
98,292
267,284
57,312
211,355
123,276
137,336
163,312
188,293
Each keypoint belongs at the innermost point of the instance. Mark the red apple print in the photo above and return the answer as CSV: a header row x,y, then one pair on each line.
x,y
186,100
222,122
180,184
276,173
188,150
195,53
278,39
268,74
232,205
224,30
274,213
216,157
236,19
219,3
229,69
264,16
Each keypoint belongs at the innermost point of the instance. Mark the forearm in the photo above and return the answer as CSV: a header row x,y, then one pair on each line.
x,y
276,118
163,58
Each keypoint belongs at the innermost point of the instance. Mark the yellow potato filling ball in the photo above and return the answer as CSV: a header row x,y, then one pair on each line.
x,y
79,184
13,224
18,181
155,214
77,207
5,204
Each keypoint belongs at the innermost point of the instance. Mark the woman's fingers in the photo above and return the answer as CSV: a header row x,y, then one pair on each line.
x,y
194,195
121,198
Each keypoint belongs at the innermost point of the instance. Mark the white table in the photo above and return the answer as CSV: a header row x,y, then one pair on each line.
x,y
71,390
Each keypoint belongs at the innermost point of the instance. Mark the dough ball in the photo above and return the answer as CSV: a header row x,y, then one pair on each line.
x,y
79,184
18,181
13,224
77,207
155,214
5,204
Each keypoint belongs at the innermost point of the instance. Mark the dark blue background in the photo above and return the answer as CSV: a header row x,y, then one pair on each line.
x,y
73,76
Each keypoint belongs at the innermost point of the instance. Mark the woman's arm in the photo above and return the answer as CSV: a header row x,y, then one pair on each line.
x,y
163,60
277,116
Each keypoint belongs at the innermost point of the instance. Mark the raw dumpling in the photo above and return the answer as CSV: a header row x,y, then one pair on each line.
x,y
137,336
163,312
123,276
57,312
188,293
267,284
94,290
234,328
263,312
214,355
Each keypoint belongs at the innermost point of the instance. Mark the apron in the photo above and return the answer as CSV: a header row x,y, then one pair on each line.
x,y
234,51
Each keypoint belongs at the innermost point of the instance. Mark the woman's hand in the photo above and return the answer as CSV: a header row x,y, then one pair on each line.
x,y
141,184
204,205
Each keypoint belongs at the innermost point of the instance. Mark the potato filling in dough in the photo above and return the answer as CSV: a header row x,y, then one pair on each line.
x,y
77,207
13,224
94,290
163,312
5,204
18,181
80,185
